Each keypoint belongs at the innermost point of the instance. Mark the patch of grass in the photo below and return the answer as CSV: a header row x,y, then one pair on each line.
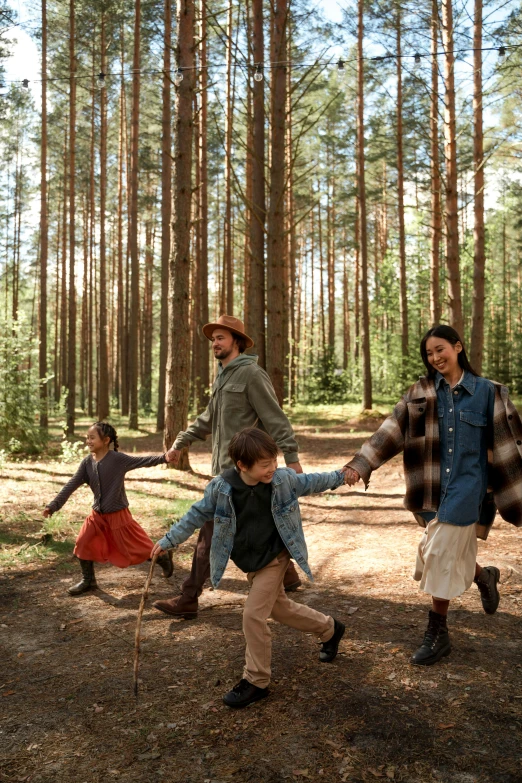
x,y
328,415
16,550
175,510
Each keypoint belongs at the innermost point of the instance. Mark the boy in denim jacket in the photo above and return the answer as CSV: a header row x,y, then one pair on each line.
x,y
257,523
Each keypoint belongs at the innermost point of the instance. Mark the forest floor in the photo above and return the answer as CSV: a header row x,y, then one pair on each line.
x,y
67,710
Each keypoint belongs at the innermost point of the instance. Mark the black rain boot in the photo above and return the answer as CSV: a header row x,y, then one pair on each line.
x,y
487,582
436,643
166,564
88,579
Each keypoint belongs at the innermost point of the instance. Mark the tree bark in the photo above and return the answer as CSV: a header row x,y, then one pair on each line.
x,y
255,295
227,291
44,233
403,294
450,148
436,217
276,218
103,357
203,368
363,241
166,207
133,369
479,258
178,357
71,348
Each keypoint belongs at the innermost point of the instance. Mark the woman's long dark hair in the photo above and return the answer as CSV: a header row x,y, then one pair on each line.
x,y
445,333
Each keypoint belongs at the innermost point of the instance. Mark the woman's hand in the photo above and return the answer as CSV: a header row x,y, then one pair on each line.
x,y
351,476
156,550
47,512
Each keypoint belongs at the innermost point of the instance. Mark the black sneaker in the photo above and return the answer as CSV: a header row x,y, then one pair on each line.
x,y
436,643
329,649
487,582
243,694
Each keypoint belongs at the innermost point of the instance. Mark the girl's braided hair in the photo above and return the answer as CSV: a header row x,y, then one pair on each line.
x,y
106,430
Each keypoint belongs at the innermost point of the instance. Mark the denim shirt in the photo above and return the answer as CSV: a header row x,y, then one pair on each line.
x,y
465,421
216,504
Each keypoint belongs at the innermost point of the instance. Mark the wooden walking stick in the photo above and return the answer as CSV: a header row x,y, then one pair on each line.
x,y
144,597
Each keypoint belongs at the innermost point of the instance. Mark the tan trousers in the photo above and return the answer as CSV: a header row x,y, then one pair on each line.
x,y
267,598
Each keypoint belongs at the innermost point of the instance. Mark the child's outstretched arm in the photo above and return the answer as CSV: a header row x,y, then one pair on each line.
x,y
133,463
314,483
79,478
199,513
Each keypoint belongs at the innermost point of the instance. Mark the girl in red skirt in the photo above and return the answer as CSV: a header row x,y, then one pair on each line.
x,y
109,534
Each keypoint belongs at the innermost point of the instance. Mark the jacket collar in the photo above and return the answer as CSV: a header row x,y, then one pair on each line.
x,y
468,381
226,487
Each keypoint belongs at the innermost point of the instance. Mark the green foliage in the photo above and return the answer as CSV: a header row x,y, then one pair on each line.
x,y
19,404
72,452
326,383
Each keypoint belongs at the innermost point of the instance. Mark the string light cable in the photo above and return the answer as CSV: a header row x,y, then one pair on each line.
x,y
258,69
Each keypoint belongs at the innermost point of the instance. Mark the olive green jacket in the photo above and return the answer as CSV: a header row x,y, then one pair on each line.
x,y
242,396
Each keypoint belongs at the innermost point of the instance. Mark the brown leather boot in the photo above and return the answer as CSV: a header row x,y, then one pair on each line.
x,y
291,581
182,606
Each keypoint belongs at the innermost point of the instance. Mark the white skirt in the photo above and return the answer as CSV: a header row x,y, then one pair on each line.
x,y
446,559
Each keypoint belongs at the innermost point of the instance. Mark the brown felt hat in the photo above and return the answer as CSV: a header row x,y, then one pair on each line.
x,y
233,325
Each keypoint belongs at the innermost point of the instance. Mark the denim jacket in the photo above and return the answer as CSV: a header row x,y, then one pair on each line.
x,y
216,504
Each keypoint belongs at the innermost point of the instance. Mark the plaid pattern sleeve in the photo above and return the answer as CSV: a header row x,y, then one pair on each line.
x,y
506,463
384,444
413,427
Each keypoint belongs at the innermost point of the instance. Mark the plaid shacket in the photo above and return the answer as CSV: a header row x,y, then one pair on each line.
x,y
413,427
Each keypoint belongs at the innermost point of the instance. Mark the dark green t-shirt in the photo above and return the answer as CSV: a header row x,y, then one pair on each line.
x,y
257,541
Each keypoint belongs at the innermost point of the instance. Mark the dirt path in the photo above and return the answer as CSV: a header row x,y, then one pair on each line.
x,y
68,714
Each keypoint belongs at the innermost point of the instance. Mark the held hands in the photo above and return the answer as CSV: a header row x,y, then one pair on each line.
x,y
156,550
47,512
295,466
172,455
351,476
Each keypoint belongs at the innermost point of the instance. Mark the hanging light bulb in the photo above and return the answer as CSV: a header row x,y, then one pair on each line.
x,y
25,83
340,65
417,60
501,52
258,75
101,80
178,77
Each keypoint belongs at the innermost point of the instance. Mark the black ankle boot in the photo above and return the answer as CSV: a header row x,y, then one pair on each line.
x,y
166,564
88,579
436,643
487,582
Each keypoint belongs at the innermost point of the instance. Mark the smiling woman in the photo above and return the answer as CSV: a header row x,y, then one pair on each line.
x,y
445,424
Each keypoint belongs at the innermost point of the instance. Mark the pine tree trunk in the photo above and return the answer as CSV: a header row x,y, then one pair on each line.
x,y
403,295
133,370
166,207
450,147
71,348
255,295
63,276
276,218
203,369
436,217
103,357
363,242
44,232
227,304
178,357
477,318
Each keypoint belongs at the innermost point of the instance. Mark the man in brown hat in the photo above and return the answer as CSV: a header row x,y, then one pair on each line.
x,y
242,396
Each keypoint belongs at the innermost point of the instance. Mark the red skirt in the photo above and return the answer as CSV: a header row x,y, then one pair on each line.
x,y
113,538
